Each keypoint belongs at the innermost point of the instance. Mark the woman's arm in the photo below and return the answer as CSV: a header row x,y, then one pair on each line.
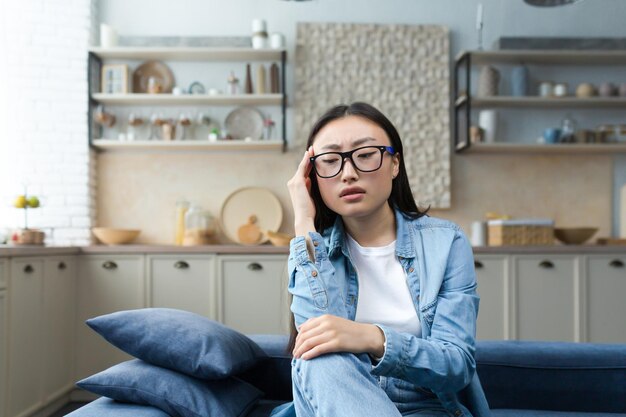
x,y
444,361
311,274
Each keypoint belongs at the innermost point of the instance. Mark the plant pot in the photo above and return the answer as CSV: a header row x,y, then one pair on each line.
x,y
30,237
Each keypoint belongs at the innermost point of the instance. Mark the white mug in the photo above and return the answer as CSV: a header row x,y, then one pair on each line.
x,y
488,121
277,41
108,36
479,233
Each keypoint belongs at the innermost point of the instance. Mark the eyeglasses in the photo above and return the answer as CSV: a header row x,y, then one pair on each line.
x,y
365,159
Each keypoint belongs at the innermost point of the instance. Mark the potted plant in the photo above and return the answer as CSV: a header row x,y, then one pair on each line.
x,y
27,236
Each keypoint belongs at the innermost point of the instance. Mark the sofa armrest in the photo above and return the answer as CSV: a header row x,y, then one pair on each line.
x,y
560,376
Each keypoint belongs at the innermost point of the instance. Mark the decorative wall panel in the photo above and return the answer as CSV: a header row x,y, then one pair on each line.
x,y
403,70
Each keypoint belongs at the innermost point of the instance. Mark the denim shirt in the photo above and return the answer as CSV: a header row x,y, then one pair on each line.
x,y
439,266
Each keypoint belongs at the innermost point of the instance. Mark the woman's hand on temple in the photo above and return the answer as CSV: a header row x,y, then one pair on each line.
x,y
300,191
327,333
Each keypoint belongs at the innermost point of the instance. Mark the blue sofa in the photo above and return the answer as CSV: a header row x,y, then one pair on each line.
x,y
520,378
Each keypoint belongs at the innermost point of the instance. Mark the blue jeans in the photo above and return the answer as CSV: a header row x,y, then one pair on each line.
x,y
340,384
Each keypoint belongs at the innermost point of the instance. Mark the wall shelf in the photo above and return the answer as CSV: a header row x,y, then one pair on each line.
x,y
187,145
542,102
565,148
188,53
465,103
200,99
546,57
98,56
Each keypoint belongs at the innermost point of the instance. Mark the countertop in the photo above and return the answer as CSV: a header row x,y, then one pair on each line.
x,y
11,251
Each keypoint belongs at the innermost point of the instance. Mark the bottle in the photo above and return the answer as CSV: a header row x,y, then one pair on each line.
x,y
274,79
181,209
200,227
260,79
568,130
248,87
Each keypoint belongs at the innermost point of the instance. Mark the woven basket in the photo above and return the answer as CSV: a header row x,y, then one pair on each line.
x,y
30,237
505,233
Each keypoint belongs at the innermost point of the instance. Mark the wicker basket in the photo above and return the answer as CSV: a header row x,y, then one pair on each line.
x,y
520,232
30,237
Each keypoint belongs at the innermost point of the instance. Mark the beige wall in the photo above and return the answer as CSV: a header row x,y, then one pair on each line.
x,y
140,189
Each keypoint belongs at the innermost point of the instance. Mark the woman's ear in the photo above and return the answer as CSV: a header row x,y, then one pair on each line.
x,y
396,165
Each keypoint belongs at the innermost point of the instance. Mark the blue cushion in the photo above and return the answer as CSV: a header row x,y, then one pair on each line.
x,y
179,340
176,394
106,407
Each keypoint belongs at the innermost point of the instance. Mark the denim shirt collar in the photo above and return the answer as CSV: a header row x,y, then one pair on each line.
x,y
405,247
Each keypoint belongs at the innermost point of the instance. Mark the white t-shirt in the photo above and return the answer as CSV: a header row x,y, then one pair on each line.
x,y
384,295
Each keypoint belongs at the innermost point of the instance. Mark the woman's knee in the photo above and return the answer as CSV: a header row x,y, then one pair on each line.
x,y
332,368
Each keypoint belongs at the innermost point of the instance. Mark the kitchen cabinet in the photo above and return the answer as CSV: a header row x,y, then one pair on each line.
x,y
41,332
58,332
547,304
543,64
196,56
3,352
3,273
606,292
185,282
492,277
105,284
26,340
252,293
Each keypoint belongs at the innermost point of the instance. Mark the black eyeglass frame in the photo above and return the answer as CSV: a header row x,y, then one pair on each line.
x,y
348,155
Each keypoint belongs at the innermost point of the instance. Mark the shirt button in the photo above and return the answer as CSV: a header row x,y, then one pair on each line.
x,y
315,243
458,413
314,273
411,269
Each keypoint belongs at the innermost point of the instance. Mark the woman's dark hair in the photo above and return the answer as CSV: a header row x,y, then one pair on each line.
x,y
401,196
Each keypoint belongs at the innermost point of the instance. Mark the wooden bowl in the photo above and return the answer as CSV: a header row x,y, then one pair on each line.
x,y
279,238
574,235
110,236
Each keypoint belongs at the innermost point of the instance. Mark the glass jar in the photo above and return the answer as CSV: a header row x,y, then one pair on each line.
x,y
181,209
568,130
200,227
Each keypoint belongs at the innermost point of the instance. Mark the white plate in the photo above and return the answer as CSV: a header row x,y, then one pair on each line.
x,y
244,122
248,201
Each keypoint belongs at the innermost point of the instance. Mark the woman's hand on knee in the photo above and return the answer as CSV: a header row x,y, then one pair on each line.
x,y
327,334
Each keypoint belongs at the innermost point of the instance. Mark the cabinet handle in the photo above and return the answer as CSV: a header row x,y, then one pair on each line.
x,y
546,264
28,269
62,266
181,265
478,265
254,266
109,265
616,263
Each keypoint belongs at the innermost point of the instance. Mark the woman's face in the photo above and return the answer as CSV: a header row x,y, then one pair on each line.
x,y
353,193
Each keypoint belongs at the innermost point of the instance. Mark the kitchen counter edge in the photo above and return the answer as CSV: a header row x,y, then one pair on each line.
x,y
13,251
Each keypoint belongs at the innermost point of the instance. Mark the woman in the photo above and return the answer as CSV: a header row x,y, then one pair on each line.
x,y
384,296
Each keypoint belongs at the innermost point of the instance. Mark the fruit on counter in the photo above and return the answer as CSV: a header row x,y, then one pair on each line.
x,y
33,202
20,202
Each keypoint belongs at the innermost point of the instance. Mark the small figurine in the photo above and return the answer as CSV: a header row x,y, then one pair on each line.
x,y
233,84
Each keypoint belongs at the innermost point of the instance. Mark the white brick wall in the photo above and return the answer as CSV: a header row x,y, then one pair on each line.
x,y
43,122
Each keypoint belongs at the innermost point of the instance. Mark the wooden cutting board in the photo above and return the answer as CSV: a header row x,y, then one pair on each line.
x,y
610,241
250,233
